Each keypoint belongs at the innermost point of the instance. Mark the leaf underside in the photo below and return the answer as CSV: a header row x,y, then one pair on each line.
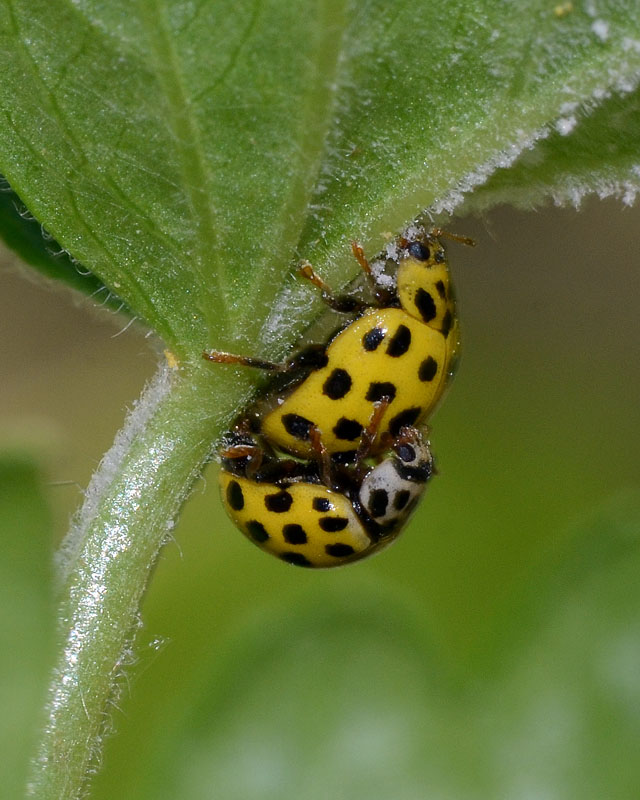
x,y
190,154
25,236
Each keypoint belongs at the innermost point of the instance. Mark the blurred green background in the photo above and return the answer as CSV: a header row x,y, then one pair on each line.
x,y
493,652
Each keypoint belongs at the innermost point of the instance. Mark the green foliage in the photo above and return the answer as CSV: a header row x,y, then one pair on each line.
x,y
189,155
25,236
569,163
26,619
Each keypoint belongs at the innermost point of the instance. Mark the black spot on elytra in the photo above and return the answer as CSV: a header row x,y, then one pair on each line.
x,y
339,550
344,457
294,534
406,453
257,531
297,426
400,342
380,389
447,322
321,504
428,369
348,429
296,558
378,502
425,305
401,499
278,503
442,289
337,384
333,524
404,419
235,498
419,251
372,339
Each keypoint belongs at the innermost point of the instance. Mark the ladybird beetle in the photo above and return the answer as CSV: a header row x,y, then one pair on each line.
x,y
287,509
401,346
347,411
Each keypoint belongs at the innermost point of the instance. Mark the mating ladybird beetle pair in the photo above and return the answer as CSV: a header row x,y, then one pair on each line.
x,y
327,466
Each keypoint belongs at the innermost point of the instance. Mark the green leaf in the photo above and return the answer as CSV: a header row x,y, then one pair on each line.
x,y
189,154
26,618
569,165
25,236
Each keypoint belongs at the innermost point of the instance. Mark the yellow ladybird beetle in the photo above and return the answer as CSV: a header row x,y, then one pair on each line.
x,y
400,346
294,511
348,415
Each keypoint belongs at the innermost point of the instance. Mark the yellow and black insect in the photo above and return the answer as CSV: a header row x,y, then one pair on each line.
x,y
304,515
348,410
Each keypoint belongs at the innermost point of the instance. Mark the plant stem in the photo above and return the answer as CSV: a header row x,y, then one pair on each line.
x,y
105,564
